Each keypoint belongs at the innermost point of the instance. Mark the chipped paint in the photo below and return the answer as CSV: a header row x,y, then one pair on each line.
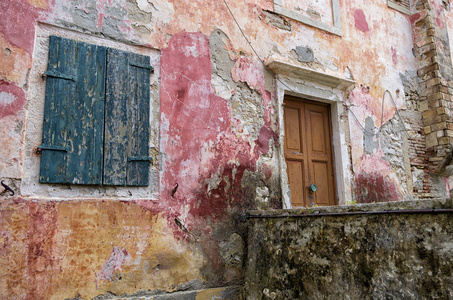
x,y
12,99
374,182
112,265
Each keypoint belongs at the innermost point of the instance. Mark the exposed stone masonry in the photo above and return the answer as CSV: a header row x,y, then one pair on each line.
x,y
432,52
412,118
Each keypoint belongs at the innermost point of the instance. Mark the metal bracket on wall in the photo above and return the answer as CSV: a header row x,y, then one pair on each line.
x,y
140,158
7,188
137,65
57,74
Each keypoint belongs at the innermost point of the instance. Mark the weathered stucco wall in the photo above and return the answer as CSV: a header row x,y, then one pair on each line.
x,y
216,137
394,255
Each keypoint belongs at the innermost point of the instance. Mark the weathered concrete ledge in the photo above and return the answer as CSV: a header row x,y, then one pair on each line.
x,y
435,205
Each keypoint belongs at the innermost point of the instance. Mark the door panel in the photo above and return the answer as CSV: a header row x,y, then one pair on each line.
x,y
317,131
308,152
321,179
296,180
292,123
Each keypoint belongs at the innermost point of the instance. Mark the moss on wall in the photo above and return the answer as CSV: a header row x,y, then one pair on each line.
x,y
365,256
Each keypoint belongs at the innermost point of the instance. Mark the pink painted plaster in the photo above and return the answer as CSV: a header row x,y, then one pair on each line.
x,y
372,182
198,141
17,23
360,20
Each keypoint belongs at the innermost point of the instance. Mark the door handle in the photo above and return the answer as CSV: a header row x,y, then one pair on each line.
x,y
312,188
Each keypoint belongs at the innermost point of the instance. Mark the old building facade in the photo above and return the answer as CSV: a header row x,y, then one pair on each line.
x,y
136,134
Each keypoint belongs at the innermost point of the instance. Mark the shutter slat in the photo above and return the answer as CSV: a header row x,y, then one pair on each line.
x,y
137,170
115,137
55,126
87,116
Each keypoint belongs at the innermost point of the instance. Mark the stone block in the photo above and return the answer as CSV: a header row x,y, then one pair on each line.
x,y
435,96
426,62
436,159
429,114
444,118
449,170
431,140
444,103
431,32
431,68
429,39
444,140
427,129
440,133
443,89
439,126
430,54
440,110
423,106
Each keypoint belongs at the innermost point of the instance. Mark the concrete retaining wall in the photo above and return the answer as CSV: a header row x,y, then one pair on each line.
x,y
367,256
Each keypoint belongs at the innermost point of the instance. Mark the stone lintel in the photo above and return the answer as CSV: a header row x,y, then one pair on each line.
x,y
306,74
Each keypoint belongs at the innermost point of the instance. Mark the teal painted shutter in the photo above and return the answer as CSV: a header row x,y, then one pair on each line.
x,y
59,90
126,150
74,113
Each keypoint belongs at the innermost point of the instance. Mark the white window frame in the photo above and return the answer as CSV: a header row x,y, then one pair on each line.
x,y
399,8
335,28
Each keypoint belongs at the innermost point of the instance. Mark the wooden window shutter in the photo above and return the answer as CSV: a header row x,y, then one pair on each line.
x,y
96,118
126,139
72,148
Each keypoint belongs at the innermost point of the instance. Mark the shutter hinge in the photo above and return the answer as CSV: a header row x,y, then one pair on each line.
x,y
140,158
54,148
58,75
150,68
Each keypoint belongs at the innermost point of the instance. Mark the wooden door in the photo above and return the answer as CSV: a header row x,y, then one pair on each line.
x,y
308,152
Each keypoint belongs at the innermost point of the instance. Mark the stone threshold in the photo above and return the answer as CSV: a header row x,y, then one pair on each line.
x,y
221,293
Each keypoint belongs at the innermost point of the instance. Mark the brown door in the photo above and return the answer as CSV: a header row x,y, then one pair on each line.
x,y
308,152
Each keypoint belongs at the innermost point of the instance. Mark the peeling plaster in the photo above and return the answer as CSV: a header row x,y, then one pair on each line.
x,y
112,264
12,99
